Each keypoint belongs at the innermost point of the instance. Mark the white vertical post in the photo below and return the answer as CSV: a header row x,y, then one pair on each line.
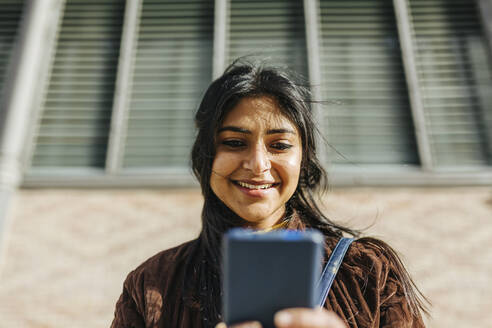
x,y
409,63
39,17
485,8
313,38
47,61
221,28
119,117
485,94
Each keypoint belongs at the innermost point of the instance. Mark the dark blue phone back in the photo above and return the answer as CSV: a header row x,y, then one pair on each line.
x,y
267,272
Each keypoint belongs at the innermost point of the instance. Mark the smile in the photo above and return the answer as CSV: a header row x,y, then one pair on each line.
x,y
254,186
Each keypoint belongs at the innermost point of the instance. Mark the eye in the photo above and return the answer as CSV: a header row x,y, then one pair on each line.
x,y
233,143
281,146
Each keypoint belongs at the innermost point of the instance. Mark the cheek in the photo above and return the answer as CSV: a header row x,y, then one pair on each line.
x,y
224,164
290,169
294,163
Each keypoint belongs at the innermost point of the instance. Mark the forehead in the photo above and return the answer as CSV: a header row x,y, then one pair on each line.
x,y
261,111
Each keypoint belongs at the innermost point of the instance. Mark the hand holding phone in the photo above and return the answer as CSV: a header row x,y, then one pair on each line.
x,y
297,317
268,272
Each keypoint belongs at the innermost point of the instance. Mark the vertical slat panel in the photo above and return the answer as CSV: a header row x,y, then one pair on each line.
x,y
173,66
367,111
221,17
10,16
272,29
454,69
74,125
313,42
119,115
416,103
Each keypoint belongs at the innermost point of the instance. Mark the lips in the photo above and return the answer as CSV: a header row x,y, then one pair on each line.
x,y
251,186
255,185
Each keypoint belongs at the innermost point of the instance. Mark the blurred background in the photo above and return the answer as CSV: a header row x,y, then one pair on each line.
x,y
96,123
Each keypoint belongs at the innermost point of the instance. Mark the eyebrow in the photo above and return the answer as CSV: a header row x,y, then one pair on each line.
x,y
246,131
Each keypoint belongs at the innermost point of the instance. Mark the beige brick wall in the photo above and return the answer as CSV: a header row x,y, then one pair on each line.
x,y
66,252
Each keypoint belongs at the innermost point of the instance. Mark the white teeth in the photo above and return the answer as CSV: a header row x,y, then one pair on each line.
x,y
250,186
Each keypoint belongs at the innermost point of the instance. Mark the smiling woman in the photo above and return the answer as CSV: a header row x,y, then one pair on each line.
x,y
255,159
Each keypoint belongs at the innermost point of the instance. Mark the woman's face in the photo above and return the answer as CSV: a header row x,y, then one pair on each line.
x,y
258,160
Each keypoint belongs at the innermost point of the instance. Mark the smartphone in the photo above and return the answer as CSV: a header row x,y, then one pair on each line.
x,y
266,272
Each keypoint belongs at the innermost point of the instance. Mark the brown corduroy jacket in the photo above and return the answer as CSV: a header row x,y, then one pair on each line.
x,y
367,291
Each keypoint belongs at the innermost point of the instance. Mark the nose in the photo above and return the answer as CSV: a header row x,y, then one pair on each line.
x,y
258,160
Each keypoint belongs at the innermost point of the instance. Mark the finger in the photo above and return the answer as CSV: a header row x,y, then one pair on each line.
x,y
307,318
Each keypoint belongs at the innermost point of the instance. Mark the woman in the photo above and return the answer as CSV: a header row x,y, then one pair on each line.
x,y
255,159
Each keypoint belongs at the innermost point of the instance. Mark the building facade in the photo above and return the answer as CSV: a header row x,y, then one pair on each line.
x,y
102,93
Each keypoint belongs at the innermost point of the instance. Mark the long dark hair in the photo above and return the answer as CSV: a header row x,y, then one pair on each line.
x,y
249,79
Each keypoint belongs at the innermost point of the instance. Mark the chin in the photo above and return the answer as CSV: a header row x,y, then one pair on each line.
x,y
259,215
254,220
252,217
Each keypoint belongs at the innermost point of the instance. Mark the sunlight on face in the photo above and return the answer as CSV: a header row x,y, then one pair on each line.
x,y
258,160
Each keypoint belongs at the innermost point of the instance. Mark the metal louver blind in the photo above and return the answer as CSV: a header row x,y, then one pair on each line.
x,y
454,70
172,68
269,29
10,16
367,113
73,130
